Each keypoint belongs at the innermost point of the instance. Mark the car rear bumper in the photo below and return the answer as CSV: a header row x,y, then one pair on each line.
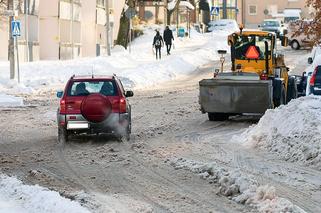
x,y
77,123
315,90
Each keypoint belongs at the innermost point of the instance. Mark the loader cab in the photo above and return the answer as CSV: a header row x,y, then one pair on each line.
x,y
252,51
255,47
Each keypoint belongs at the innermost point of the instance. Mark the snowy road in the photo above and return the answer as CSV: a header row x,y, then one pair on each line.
x,y
156,170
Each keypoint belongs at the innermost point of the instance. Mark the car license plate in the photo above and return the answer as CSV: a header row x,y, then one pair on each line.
x,y
77,126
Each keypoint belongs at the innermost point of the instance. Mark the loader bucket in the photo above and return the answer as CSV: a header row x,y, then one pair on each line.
x,y
235,96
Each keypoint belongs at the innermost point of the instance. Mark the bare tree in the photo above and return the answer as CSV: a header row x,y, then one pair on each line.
x,y
6,5
123,33
170,12
312,29
3,19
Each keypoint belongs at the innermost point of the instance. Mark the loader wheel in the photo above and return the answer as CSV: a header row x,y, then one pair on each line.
x,y
280,101
292,92
218,116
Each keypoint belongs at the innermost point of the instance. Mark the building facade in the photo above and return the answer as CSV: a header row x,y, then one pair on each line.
x,y
63,29
70,29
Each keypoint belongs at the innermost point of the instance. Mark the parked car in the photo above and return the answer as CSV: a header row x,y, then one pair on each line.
x,y
223,24
271,25
94,105
315,81
299,41
303,82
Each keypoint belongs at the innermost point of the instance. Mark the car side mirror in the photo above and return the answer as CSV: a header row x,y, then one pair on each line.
x,y
129,94
59,94
310,61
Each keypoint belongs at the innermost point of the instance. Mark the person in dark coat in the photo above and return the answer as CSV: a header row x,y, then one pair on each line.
x,y
168,36
157,43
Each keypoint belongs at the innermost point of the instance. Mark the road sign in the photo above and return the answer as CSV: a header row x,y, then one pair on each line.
x,y
215,11
16,28
130,13
10,13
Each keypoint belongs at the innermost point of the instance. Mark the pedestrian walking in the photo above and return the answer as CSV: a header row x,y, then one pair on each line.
x,y
158,43
168,37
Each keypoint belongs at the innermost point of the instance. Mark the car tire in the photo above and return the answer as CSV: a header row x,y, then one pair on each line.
x,y
218,116
96,108
124,136
62,134
295,45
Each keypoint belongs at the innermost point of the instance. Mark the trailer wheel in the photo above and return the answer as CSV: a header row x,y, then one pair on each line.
x,y
280,101
218,116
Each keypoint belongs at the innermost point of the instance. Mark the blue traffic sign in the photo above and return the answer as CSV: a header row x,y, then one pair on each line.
x,y
16,30
215,11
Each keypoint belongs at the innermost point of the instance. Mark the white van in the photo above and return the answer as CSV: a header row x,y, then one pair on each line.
x,y
287,16
298,41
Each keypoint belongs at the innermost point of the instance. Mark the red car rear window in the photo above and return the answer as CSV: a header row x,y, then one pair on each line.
x,y
84,88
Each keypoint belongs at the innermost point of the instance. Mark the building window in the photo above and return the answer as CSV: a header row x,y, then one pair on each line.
x,y
100,3
272,8
252,9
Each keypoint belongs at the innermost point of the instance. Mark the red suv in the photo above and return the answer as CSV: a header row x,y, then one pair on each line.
x,y
93,105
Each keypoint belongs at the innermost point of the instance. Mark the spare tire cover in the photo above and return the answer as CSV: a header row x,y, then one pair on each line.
x,y
96,107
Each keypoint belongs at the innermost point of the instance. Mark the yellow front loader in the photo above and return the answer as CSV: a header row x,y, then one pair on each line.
x,y
258,79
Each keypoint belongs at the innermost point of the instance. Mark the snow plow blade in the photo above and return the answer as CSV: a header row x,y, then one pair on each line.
x,y
235,96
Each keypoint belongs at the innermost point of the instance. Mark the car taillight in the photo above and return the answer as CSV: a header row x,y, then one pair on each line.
x,y
62,107
312,79
122,105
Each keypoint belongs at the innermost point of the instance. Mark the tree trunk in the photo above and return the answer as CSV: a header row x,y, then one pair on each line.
x,y
123,32
170,12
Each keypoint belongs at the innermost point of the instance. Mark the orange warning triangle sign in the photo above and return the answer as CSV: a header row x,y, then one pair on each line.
x,y
252,53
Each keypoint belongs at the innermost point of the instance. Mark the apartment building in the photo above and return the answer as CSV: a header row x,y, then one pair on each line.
x,y
253,12
63,29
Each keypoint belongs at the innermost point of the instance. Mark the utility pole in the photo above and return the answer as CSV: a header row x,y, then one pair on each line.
x,y
11,55
165,13
26,30
72,29
107,28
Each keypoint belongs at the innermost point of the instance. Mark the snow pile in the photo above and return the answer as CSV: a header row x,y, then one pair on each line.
x,y
29,198
291,131
10,101
239,187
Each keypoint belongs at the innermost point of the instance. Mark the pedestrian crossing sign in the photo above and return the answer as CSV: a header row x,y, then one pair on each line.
x,y
215,11
16,30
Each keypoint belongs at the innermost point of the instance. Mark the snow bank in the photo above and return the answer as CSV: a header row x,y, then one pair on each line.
x,y
291,131
29,198
239,187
